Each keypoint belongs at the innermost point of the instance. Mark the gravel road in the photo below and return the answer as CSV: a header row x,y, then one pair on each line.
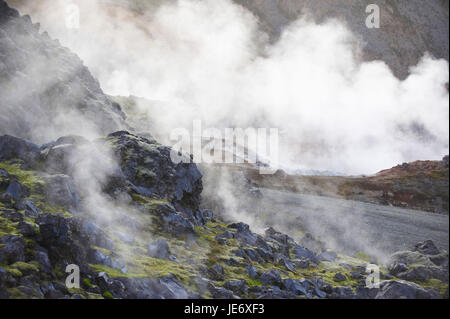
x,y
352,227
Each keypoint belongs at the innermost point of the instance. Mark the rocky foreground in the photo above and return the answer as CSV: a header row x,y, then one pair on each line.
x,y
130,219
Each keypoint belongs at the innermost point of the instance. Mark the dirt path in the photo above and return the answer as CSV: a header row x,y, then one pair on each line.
x,y
352,227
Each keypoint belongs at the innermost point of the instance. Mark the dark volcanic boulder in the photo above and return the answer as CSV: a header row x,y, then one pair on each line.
x,y
271,277
60,191
12,250
159,249
405,290
16,148
427,248
148,166
54,229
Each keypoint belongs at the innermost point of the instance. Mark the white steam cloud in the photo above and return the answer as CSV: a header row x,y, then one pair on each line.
x,y
208,60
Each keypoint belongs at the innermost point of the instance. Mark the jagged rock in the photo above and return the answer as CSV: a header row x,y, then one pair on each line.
x,y
148,164
303,253
294,286
16,148
30,209
265,254
170,288
159,249
54,229
12,215
4,174
252,255
404,290
440,260
26,229
366,293
177,224
423,274
13,249
17,191
203,216
42,258
216,272
60,90
285,262
232,262
342,293
58,159
302,263
252,272
356,274
222,238
60,190
329,256
409,258
427,248
94,234
222,293
243,234
6,200
339,277
271,277
239,287
99,258
396,268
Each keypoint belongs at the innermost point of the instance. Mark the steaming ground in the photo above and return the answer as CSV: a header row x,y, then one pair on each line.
x,y
375,230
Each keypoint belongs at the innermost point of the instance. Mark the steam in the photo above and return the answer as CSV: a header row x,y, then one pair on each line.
x,y
209,60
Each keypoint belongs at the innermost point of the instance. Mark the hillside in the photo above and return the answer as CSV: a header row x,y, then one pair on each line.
x,y
408,30
80,186
38,74
419,185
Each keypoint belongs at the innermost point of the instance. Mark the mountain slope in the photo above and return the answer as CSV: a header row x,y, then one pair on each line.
x,y
409,29
38,74
117,207
419,185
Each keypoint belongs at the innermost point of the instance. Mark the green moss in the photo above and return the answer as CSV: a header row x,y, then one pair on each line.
x,y
7,227
253,282
108,295
26,267
436,284
14,272
16,293
58,272
87,282
35,183
363,256
26,177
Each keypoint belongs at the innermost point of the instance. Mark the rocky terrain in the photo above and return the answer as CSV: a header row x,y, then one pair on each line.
x,y
64,96
134,222
155,241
